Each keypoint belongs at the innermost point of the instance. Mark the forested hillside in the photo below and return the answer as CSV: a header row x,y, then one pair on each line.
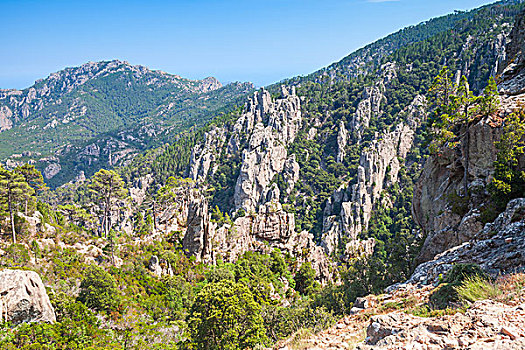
x,y
102,114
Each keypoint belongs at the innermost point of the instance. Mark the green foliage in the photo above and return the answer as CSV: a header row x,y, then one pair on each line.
x,y
458,204
98,290
489,100
15,255
76,328
219,273
225,316
107,188
509,177
447,293
281,322
476,288
14,191
254,270
305,282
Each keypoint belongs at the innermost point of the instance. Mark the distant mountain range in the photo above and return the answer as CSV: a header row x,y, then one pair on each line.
x,y
101,114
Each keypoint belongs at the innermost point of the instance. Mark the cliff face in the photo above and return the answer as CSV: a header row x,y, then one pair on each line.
x,y
259,138
513,69
446,218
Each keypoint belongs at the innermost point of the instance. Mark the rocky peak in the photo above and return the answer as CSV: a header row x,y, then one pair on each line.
x,y
273,125
379,166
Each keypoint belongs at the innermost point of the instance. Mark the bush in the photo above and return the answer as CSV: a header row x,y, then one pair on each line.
x,y
225,316
305,282
16,255
281,322
461,272
98,290
218,273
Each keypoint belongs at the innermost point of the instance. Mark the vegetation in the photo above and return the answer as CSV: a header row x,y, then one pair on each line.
x,y
509,178
98,290
476,288
447,293
225,316
259,298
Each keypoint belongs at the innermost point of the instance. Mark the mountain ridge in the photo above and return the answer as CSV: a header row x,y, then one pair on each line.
x,y
74,107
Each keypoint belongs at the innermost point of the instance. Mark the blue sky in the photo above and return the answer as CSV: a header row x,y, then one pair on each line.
x,y
260,41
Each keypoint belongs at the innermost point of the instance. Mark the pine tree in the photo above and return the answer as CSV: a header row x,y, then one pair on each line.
x,y
108,188
489,100
465,99
34,178
170,194
13,190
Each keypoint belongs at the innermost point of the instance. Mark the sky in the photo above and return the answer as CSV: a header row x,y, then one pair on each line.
x,y
261,41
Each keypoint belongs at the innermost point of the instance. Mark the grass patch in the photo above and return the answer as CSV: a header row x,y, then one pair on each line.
x,y
299,340
426,311
446,294
477,288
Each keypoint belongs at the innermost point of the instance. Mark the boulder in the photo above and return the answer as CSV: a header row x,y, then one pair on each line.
x,y
23,298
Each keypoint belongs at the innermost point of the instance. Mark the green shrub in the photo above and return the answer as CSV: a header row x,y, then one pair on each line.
x,y
16,255
98,290
459,204
218,273
333,298
225,316
281,322
305,282
461,272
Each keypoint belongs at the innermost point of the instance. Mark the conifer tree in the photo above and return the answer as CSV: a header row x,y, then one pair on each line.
x,y
490,101
34,178
13,190
108,188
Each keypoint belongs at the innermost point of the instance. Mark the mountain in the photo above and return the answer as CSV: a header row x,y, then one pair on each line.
x,y
101,114
337,158
389,197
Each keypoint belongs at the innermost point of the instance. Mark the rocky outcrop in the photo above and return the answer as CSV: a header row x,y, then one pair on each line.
x,y
342,140
378,169
197,237
446,214
259,138
513,70
205,154
52,170
273,125
369,106
485,325
498,248
5,118
23,298
264,231
438,206
159,267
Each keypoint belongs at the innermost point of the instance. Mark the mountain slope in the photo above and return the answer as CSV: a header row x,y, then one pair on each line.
x,y
285,211
82,107
337,159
